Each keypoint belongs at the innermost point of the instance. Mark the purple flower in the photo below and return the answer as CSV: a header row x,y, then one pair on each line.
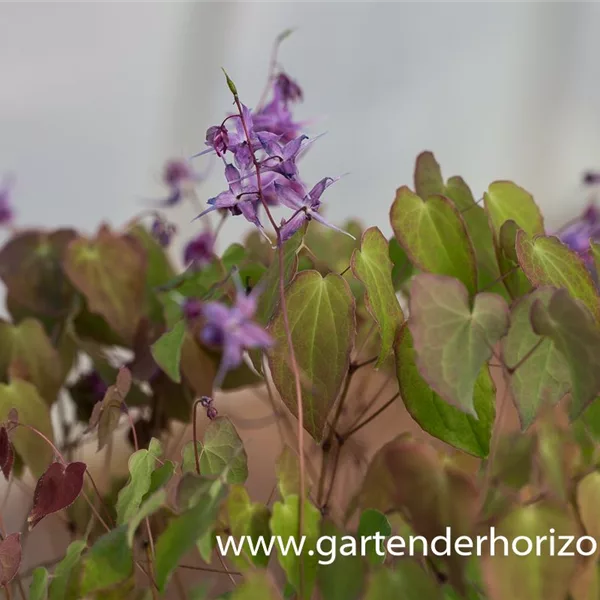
x,y
282,157
6,211
162,231
276,118
578,234
241,198
177,175
192,309
233,330
199,252
218,139
287,89
304,205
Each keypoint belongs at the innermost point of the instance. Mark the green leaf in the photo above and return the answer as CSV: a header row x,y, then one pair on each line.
x,y
480,233
434,236
591,418
343,578
372,267
141,466
269,298
109,562
588,498
543,378
184,531
428,176
373,522
27,350
148,507
506,201
577,337
402,269
284,523
407,580
61,577
453,341
548,262
167,350
322,323
248,520
110,271
256,586
38,589
287,471
33,411
532,576
437,417
221,453
160,477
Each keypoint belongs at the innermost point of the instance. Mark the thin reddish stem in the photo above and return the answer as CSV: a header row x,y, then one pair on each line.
x,y
195,436
288,334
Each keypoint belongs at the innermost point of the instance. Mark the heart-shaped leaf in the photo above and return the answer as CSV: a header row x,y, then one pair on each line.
x,y
506,201
10,558
109,562
434,236
409,476
152,503
221,452
373,522
141,466
548,262
26,349
453,341
437,417
110,271
56,489
33,411
30,267
372,267
321,317
543,376
167,350
255,586
284,523
576,336
538,574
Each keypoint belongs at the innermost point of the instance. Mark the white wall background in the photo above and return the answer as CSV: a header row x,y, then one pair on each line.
x,y
94,96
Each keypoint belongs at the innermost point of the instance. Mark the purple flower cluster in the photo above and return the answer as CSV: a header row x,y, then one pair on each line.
x,y
260,150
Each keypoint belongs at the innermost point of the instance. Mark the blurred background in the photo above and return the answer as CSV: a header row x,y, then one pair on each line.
x,y
96,96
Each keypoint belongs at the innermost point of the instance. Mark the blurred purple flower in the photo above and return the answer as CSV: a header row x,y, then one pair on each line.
x,y
287,89
305,206
192,309
578,234
233,330
177,175
591,178
199,252
276,118
162,231
6,210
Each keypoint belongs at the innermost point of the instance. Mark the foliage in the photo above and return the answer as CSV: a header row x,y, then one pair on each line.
x,y
471,309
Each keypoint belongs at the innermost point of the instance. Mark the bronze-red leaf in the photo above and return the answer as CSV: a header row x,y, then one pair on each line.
x,y
56,489
10,557
7,455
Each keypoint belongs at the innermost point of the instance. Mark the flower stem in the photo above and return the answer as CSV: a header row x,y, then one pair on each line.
x,y
290,343
195,435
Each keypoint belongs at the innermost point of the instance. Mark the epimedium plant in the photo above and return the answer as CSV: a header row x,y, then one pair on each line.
x,y
469,306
